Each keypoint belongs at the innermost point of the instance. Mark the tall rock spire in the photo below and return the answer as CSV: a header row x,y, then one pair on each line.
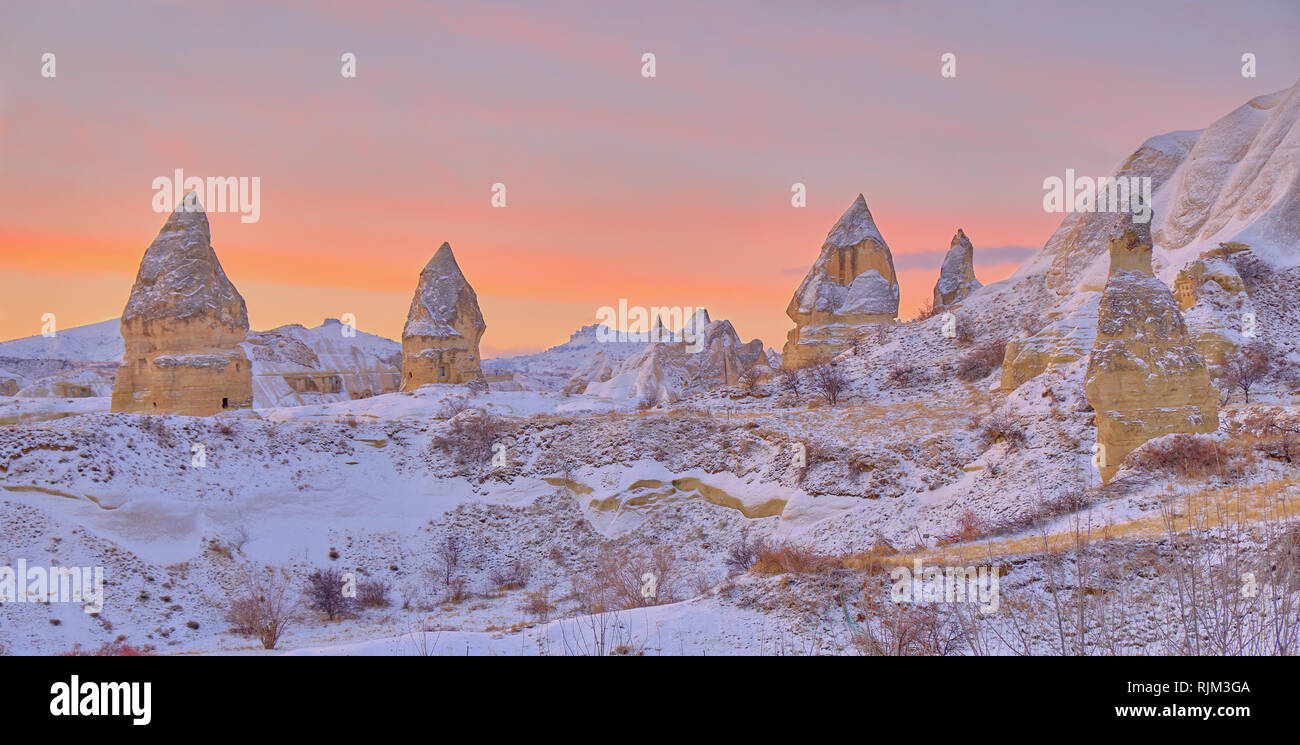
x,y
1145,378
852,284
443,327
182,327
957,277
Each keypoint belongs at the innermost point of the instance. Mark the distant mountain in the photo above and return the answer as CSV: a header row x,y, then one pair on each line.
x,y
294,365
552,369
96,342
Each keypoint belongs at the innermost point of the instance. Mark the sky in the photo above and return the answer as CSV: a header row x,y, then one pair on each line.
x,y
667,190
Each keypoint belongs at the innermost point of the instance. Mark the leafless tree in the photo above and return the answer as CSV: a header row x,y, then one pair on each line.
x,y
262,606
789,382
449,554
828,381
1249,368
325,593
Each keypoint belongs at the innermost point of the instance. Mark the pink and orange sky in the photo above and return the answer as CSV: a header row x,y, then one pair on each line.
x,y
666,191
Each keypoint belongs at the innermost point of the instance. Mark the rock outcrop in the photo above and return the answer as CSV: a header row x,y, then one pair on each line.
x,y
443,327
1145,378
704,354
1215,303
1233,182
957,277
294,365
851,285
182,328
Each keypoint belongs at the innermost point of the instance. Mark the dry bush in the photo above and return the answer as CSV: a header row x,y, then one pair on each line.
x,y
1196,456
457,589
537,604
628,578
908,375
469,438
965,332
448,554
648,400
789,382
828,381
925,312
970,526
373,593
888,629
744,553
324,591
1275,435
262,606
980,361
451,407
1248,369
512,576
749,380
115,648
789,558
1000,427
1216,613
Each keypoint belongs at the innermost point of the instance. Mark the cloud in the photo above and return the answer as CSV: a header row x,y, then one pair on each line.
x,y
984,256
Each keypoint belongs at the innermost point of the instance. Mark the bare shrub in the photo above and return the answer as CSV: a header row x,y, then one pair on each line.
x,y
457,589
789,382
115,648
749,380
649,399
469,438
789,558
969,527
744,552
1187,455
906,375
980,361
828,381
324,592
1277,436
451,407
626,578
373,592
537,604
925,312
512,576
409,591
448,553
262,606
1249,368
886,629
1000,427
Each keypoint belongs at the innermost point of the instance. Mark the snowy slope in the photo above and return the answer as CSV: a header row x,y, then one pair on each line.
x,y
96,342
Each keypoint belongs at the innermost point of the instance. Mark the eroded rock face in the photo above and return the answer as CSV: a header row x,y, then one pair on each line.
x,y
1215,303
957,277
443,327
294,365
851,285
705,354
182,328
1145,377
